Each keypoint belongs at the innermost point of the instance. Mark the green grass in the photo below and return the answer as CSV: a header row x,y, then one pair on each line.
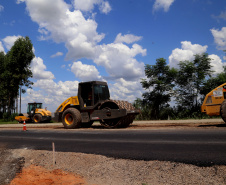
x,y
7,122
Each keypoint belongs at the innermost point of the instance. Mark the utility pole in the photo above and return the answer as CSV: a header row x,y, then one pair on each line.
x,y
20,99
17,103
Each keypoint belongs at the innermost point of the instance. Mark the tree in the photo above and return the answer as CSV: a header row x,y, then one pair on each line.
x,y
160,84
3,92
17,69
213,82
190,80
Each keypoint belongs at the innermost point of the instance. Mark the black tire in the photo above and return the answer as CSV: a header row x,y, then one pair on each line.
x,y
223,110
87,124
71,118
37,118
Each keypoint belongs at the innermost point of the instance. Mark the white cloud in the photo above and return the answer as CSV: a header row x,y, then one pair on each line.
x,y
162,4
219,38
60,89
126,90
118,60
85,5
129,38
85,72
187,52
9,41
57,22
1,47
88,5
105,7
216,63
38,69
56,55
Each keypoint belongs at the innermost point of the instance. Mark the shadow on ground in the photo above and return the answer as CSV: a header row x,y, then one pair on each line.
x,y
213,125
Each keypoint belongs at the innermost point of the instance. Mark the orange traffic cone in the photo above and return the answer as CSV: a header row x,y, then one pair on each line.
x,y
24,126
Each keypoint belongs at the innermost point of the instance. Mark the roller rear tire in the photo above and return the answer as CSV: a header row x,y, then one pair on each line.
x,y
71,118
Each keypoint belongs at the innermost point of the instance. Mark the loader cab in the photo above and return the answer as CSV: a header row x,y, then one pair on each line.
x,y
90,94
32,106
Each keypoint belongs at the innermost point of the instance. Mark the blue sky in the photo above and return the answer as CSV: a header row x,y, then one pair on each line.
x,y
82,40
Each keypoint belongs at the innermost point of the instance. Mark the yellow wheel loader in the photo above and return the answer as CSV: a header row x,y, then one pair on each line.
x,y
35,113
93,103
214,103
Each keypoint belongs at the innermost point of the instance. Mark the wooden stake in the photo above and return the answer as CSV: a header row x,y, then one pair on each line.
x,y
54,161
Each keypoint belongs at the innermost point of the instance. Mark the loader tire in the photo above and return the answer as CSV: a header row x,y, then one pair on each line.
x,y
71,118
223,110
37,118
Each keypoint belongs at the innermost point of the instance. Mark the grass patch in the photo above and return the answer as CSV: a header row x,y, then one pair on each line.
x,y
2,121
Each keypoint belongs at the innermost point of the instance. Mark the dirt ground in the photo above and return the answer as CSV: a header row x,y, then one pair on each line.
x,y
87,169
39,175
35,167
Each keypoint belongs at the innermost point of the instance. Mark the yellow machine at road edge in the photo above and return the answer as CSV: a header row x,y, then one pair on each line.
x,y
214,103
35,113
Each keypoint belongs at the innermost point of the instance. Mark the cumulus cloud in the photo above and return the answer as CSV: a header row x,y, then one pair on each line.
x,y
126,90
65,89
56,55
129,38
85,72
118,60
219,38
88,5
216,63
9,41
105,7
162,4
39,69
187,52
62,25
1,47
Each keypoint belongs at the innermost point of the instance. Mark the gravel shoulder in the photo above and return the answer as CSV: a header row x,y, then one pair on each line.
x,y
101,170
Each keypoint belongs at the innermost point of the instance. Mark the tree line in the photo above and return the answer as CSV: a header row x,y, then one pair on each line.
x,y
14,74
177,93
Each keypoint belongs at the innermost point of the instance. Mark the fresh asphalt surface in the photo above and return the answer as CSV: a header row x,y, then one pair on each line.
x,y
202,147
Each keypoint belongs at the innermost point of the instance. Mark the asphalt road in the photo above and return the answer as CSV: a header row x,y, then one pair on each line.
x,y
202,147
